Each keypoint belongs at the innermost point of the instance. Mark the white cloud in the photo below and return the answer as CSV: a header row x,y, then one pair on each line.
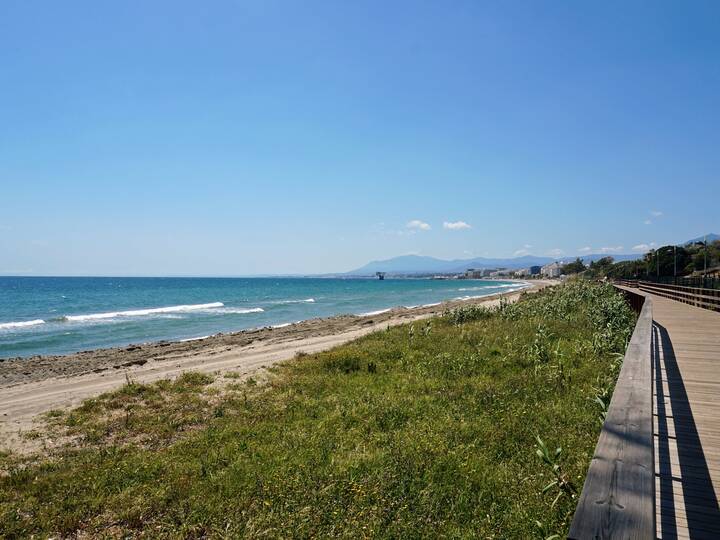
x,y
644,247
557,252
610,249
456,225
586,249
527,246
655,215
418,225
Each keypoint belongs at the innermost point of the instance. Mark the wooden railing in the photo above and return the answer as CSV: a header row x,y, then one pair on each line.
x,y
618,497
695,296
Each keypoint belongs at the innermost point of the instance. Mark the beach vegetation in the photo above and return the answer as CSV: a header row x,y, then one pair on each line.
x,y
438,429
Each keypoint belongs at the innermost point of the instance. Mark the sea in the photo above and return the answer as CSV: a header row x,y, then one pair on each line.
x,y
60,315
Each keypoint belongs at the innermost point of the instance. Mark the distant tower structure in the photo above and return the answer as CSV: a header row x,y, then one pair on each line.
x,y
380,275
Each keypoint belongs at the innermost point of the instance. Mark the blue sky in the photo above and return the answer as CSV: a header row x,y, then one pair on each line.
x,y
231,138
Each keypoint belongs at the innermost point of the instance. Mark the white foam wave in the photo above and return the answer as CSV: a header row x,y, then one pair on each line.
x,y
503,286
142,312
193,339
21,324
303,301
485,295
420,306
378,312
283,325
237,311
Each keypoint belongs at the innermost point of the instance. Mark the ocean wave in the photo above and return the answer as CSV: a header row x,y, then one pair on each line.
x,y
20,324
419,306
142,312
193,339
464,298
236,311
303,301
517,288
503,286
378,312
473,288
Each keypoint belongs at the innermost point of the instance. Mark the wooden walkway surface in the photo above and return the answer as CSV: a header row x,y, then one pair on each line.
x,y
686,422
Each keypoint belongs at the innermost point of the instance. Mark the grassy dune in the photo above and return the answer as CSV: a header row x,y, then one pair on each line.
x,y
427,430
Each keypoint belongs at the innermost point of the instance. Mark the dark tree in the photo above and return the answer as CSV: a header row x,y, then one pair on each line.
x,y
574,267
668,260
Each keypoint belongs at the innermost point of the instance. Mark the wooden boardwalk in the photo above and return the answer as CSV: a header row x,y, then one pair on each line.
x,y
686,420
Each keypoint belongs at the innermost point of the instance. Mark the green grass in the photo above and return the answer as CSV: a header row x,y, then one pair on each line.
x,y
426,430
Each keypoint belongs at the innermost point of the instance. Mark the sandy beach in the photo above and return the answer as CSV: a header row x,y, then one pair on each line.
x,y
32,386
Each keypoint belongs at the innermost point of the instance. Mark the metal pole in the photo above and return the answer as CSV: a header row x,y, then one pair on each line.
x,y
705,242
675,265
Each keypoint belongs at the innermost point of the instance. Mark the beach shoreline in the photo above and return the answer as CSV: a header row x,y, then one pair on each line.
x,y
35,385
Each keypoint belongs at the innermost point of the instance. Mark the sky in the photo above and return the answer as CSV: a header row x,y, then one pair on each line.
x,y
240,138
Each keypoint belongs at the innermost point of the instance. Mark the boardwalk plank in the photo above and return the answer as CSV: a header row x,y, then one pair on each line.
x,y
687,430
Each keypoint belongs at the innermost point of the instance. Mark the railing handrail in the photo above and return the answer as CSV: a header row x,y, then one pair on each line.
x,y
694,296
618,497
703,282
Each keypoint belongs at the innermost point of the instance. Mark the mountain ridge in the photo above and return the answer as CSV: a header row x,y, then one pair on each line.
x,y
711,237
424,264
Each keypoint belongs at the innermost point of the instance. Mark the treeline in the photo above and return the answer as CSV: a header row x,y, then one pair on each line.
x,y
663,262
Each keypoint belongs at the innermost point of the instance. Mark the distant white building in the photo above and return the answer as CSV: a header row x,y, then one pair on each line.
x,y
522,272
477,273
554,269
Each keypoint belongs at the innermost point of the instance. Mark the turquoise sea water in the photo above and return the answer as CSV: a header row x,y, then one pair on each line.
x,y
58,315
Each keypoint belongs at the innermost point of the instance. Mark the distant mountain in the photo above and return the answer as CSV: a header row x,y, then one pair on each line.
x,y
711,237
407,264
417,264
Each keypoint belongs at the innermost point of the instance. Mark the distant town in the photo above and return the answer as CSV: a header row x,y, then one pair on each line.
x,y
551,270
